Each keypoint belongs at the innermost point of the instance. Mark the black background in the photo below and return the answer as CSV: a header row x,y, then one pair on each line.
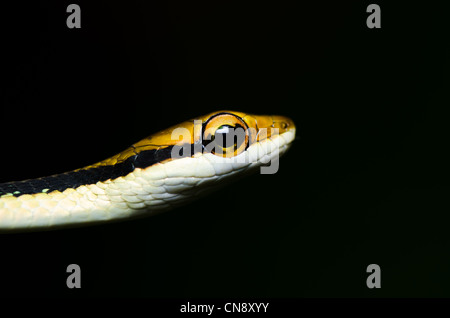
x,y
366,182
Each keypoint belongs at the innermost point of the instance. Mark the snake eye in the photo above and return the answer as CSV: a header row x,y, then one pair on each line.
x,y
225,135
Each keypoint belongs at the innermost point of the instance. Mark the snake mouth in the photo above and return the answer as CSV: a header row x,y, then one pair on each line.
x,y
266,152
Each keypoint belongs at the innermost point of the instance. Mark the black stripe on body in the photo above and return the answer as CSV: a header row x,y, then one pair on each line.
x,y
74,179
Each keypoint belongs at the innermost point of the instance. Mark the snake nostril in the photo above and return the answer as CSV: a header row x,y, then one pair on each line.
x,y
284,125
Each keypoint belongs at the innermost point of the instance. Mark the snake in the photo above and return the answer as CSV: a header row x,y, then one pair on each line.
x,y
163,171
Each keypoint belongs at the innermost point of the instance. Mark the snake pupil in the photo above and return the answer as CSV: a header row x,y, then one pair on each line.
x,y
222,136
228,137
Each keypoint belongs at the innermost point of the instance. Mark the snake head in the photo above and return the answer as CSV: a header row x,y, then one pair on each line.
x,y
224,141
